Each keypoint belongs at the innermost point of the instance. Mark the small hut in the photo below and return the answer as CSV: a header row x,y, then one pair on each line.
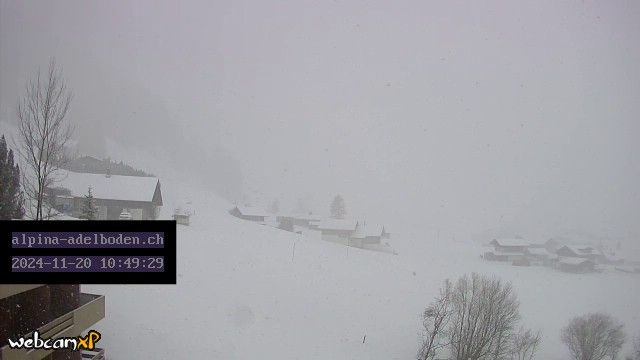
x,y
181,217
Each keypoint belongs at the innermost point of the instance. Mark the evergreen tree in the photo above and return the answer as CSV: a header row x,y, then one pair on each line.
x,y
88,207
11,203
338,210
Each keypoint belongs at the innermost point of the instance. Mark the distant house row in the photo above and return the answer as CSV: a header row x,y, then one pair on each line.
x,y
347,232
351,232
568,258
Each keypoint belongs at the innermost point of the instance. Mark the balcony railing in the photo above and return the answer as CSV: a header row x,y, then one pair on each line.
x,y
97,354
10,290
90,311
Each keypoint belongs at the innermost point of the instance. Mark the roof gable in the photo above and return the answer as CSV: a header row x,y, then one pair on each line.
x,y
337,224
251,211
364,230
510,242
296,216
114,187
579,249
539,252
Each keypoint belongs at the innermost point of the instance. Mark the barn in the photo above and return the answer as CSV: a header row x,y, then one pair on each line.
x,y
510,250
368,234
580,251
336,230
510,245
296,220
140,196
540,256
249,213
576,265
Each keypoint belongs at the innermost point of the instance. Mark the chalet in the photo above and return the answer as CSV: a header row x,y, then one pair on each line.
x,y
540,256
576,265
611,259
510,245
368,234
579,251
511,250
552,245
249,213
112,194
335,230
296,220
498,255
181,219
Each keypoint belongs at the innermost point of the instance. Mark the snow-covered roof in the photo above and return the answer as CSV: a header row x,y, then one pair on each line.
x,y
113,187
573,261
373,229
310,217
50,214
252,211
510,242
336,224
368,230
581,249
613,257
541,252
506,253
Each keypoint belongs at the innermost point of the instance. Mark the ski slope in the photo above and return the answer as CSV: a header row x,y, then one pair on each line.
x,y
248,291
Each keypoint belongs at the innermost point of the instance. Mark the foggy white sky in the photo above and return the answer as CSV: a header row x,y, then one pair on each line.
x,y
522,117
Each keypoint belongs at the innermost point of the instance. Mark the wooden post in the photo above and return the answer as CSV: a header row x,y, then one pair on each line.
x,y
294,251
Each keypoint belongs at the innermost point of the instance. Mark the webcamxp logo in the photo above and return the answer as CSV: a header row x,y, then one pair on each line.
x,y
74,343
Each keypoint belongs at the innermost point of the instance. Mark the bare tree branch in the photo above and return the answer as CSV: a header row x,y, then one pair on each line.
x,y
44,134
475,319
485,312
435,320
524,345
593,337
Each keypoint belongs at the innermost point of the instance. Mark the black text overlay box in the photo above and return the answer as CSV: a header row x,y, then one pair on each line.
x,y
88,252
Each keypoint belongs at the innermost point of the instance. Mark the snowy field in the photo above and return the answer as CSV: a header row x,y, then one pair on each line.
x,y
244,293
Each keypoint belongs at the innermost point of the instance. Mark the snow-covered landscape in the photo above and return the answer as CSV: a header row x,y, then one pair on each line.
x,y
357,180
244,292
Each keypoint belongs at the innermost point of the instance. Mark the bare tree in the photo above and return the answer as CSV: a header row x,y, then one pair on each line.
x,y
475,320
636,351
484,313
524,345
593,337
435,320
43,136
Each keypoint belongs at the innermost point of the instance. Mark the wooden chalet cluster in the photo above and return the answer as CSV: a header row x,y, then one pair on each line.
x,y
567,258
343,231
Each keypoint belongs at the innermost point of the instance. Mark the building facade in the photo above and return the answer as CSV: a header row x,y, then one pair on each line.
x,y
112,195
